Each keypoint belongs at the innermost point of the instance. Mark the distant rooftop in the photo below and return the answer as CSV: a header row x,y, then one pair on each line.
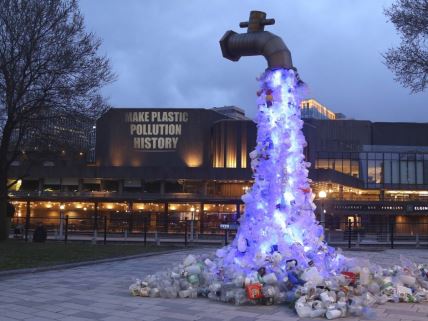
x,y
312,109
232,112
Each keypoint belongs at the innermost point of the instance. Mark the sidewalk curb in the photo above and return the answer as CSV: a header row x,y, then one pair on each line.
x,y
8,273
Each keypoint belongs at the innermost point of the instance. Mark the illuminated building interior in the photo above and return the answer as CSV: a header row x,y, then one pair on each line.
x,y
310,108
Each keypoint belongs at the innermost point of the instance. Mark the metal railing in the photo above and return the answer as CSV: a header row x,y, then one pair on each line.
x,y
386,235
104,228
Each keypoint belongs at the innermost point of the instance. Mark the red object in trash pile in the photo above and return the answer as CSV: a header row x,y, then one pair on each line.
x,y
254,291
351,276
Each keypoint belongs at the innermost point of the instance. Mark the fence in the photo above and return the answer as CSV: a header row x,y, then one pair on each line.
x,y
390,235
104,229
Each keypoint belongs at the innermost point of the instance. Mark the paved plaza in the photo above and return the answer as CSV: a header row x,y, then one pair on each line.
x,y
100,292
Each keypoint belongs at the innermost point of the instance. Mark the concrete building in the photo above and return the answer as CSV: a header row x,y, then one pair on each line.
x,y
167,165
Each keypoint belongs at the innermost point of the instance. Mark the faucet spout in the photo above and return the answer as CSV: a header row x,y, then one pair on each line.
x,y
257,42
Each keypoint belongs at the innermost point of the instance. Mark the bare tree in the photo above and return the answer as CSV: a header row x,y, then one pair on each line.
x,y
409,61
49,66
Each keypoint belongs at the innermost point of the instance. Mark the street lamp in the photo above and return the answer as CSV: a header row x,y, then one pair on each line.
x,y
192,209
61,220
322,195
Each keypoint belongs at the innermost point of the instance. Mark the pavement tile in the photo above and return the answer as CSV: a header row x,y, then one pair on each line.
x,y
240,318
406,311
99,292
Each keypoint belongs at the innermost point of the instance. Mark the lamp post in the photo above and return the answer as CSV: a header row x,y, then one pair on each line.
x,y
322,195
192,209
61,221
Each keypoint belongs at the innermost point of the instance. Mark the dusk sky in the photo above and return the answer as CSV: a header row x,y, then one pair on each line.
x,y
166,54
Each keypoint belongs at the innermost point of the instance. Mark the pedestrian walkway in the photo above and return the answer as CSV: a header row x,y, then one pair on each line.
x,y
100,292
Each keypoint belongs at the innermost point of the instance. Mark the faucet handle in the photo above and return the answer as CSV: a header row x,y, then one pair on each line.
x,y
268,22
257,22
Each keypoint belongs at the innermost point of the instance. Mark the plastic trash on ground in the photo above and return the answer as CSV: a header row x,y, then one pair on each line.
x,y
349,291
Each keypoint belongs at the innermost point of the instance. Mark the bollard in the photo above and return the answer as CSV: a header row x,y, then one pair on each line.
x,y
157,239
391,224
145,230
27,221
105,229
417,240
358,239
349,233
61,225
185,232
95,228
66,230
226,232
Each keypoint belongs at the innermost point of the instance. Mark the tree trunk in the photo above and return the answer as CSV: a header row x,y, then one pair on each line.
x,y
4,149
4,219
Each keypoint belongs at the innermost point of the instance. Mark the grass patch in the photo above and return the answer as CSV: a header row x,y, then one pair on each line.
x,y
16,254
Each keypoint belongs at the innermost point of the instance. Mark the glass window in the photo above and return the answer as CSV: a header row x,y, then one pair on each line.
x,y
379,156
363,155
425,169
411,172
387,172
379,174
371,156
338,165
403,172
371,177
346,163
363,170
322,163
173,187
394,156
419,172
395,172
110,186
387,155
355,169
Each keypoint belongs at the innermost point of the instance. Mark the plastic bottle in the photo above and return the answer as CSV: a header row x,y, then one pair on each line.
x,y
270,279
333,314
364,276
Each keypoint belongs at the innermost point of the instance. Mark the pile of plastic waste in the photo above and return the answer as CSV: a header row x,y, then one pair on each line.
x,y
358,286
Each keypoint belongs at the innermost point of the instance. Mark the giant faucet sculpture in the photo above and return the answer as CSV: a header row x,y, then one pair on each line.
x,y
257,42
279,222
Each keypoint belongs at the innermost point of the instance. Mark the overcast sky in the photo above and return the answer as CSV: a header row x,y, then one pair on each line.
x,y
166,54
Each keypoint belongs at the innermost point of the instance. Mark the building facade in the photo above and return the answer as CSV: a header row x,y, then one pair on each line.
x,y
375,175
163,166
